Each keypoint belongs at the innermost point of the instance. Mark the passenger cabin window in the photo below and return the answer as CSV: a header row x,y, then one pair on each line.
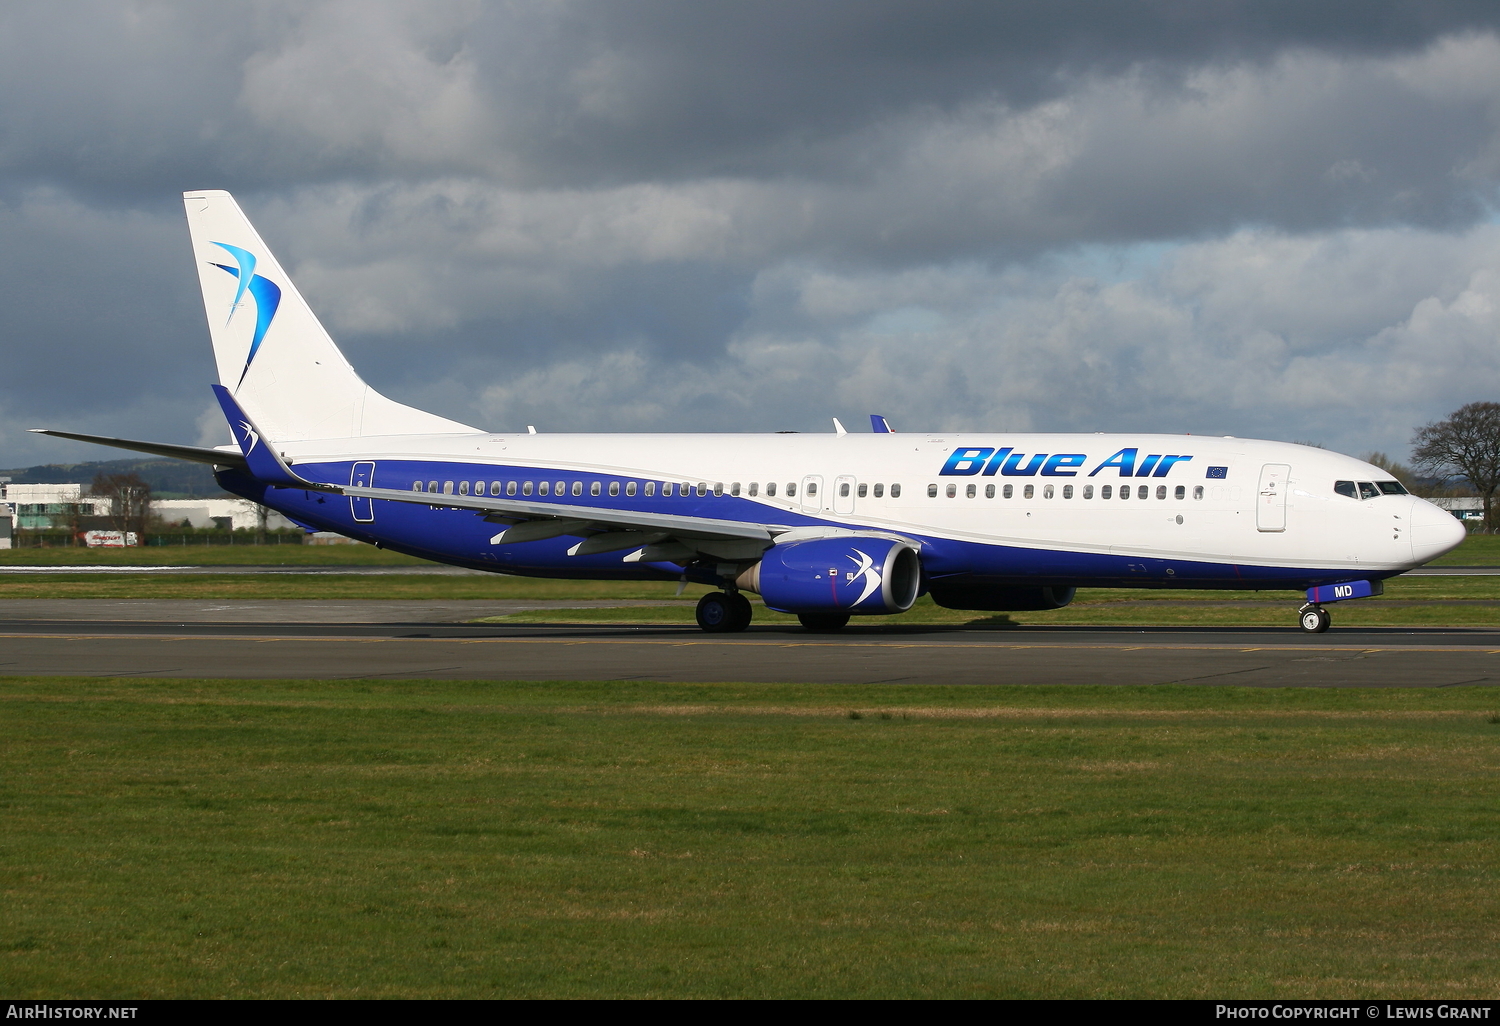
x,y
526,488
863,491
895,491
971,491
1391,488
1088,492
1197,491
666,488
494,487
1346,488
544,488
629,487
478,487
791,489
594,488
771,489
1144,492
650,489
989,491
1161,491
447,487
463,488
812,488
416,486
734,489
952,491
754,489
718,489
879,490
1008,491
1107,492
1030,491
1368,491
1046,491
577,487
510,488
1181,492
432,486
614,488
932,491
1067,491
559,488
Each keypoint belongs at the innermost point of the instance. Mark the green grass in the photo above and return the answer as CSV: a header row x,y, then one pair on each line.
x,y
1476,550
461,839
211,555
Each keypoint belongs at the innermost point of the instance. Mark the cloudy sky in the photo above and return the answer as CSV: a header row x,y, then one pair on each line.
x,y
1274,218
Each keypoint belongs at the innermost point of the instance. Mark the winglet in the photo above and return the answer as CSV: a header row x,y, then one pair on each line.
x,y
838,428
880,425
262,459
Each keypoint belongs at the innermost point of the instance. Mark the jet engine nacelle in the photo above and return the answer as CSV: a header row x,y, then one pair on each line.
x,y
847,574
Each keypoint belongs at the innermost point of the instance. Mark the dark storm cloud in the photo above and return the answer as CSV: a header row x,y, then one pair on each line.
x,y
739,215
675,88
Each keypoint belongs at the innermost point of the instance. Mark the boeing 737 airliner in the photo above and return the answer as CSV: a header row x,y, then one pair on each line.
x,y
822,526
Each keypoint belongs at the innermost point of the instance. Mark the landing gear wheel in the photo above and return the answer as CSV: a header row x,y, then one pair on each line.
x,y
823,622
742,612
1315,619
716,612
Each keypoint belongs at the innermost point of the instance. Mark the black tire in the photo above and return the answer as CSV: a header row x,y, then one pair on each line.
x,y
716,612
1315,621
824,621
743,614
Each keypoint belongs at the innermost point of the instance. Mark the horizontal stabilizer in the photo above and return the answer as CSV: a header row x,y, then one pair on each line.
x,y
193,453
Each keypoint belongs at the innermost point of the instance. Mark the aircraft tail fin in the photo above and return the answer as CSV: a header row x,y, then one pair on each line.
x,y
273,355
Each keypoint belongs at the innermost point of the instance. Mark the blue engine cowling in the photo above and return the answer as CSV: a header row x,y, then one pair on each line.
x,y
849,574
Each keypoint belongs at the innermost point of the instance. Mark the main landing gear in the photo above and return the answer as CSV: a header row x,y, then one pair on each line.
x,y
721,612
1314,618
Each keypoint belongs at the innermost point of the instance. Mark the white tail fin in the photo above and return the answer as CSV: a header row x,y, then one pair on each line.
x,y
273,355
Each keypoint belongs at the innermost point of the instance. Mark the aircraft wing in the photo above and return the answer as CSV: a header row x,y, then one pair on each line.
x,y
603,530
195,453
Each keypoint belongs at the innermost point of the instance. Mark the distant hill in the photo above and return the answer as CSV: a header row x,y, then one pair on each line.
x,y
169,479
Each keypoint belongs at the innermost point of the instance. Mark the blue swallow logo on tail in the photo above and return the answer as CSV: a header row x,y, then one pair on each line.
x,y
265,292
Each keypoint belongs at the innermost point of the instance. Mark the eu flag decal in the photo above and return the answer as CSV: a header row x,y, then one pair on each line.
x,y
1217,473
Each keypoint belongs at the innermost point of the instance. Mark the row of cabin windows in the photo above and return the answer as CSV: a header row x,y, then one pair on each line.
x,y
668,488
1029,491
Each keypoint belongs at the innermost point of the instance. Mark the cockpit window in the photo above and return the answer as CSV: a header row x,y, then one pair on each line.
x,y
1391,487
1368,491
1346,488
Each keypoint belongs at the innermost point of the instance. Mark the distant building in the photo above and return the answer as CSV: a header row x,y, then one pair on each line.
x,y
220,513
42,506
1465,507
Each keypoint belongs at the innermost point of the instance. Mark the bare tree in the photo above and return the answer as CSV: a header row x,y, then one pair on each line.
x,y
1467,443
1400,471
130,497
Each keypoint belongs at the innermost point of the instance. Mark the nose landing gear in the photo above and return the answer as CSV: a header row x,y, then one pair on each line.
x,y
1314,618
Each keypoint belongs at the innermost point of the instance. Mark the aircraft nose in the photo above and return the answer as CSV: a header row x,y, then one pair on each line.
x,y
1433,531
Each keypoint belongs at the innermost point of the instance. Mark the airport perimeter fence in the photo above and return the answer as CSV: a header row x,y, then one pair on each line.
x,y
61,538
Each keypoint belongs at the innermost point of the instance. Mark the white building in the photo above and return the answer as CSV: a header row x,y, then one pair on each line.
x,y
49,505
1466,507
235,513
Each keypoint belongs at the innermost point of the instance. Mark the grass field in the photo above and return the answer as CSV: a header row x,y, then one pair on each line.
x,y
454,839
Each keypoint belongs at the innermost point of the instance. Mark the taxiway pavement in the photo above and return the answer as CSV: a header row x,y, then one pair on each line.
x,y
386,640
